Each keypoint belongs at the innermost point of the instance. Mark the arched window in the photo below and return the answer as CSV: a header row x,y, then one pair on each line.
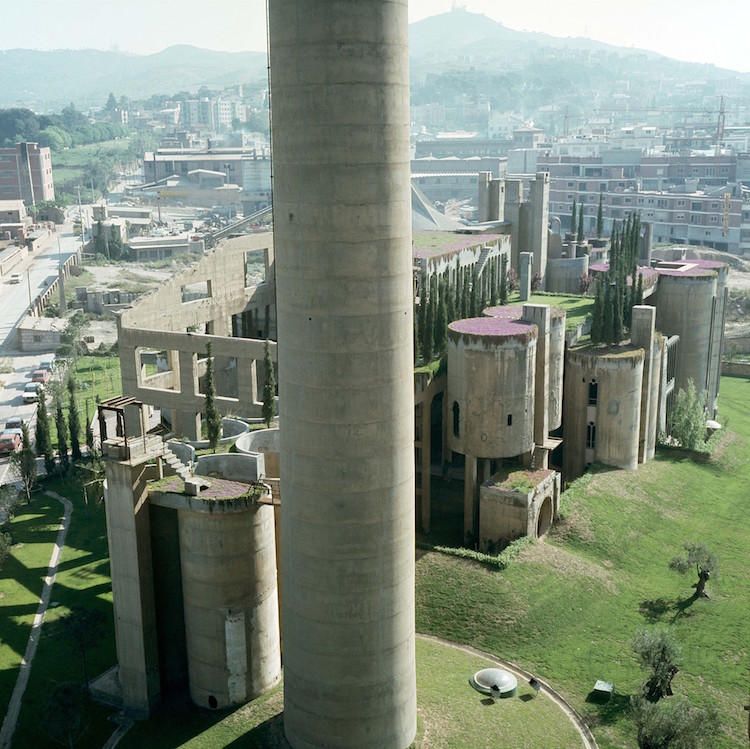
x,y
593,392
456,410
591,435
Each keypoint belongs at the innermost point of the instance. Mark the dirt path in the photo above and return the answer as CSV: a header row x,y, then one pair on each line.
x,y
14,706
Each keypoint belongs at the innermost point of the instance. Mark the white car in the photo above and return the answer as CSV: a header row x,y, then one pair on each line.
x,y
15,278
31,392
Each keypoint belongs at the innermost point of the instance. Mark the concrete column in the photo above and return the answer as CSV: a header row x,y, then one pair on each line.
x,y
483,199
526,269
513,199
539,215
540,315
470,487
642,336
342,224
426,450
128,532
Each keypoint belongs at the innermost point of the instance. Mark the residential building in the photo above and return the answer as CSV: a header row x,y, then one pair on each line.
x,y
26,173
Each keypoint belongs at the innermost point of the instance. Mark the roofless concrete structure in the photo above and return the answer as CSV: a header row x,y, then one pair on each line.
x,y
342,222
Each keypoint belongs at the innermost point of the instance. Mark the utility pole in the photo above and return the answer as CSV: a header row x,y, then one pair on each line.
x,y
80,218
28,286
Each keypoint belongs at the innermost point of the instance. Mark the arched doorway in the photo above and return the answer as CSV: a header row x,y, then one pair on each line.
x,y
544,520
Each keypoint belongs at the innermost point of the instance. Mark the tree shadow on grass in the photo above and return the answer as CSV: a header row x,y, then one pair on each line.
x,y
682,608
654,609
605,711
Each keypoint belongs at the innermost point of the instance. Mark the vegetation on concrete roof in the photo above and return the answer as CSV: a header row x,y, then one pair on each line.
x,y
426,243
218,489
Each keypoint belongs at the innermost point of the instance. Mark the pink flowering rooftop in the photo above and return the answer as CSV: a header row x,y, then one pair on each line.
x,y
515,312
492,327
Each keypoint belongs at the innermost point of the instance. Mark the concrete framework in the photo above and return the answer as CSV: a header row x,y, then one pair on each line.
x,y
212,299
342,211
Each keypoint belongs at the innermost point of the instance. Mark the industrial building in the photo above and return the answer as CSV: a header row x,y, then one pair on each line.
x,y
332,526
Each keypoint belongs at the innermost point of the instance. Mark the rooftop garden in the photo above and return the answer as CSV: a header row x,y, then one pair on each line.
x,y
218,489
520,480
427,243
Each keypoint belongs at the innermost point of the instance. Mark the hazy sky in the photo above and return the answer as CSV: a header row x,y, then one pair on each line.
x,y
712,31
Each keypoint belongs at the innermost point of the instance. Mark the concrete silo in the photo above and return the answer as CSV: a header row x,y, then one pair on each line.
x,y
601,408
691,303
490,398
342,223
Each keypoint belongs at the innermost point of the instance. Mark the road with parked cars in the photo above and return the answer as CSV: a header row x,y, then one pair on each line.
x,y
18,392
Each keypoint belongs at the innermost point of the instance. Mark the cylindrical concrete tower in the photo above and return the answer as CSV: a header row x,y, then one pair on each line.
x,y
228,562
491,367
342,223
601,408
685,307
556,354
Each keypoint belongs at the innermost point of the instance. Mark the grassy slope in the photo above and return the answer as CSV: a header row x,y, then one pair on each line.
x,y
82,579
451,715
569,607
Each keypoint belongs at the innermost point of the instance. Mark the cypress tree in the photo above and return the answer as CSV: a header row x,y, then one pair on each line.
x,y
74,421
474,294
428,344
213,419
579,239
504,280
617,318
573,219
608,332
639,290
600,219
422,317
62,442
43,440
458,288
466,295
450,301
597,322
493,282
441,320
268,410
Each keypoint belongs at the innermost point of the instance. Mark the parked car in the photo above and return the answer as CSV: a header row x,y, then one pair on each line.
x,y
14,422
31,392
47,364
15,278
9,443
40,375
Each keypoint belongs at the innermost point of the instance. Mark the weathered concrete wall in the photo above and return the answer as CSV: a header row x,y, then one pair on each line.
x,y
556,369
342,217
505,514
264,442
564,274
618,374
684,307
491,388
228,564
128,534
232,466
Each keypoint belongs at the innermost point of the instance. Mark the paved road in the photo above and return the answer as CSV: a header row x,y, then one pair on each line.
x,y
40,266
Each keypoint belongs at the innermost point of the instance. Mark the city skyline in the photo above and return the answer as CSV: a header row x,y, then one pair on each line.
x,y
681,29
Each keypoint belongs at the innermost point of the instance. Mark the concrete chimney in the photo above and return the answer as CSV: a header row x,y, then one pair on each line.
x,y
342,224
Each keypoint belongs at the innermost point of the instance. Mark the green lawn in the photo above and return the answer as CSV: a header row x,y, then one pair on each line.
x,y
70,164
568,608
576,306
452,715
82,579
97,377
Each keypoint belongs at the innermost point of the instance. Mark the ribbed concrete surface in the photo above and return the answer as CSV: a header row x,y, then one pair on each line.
x,y
340,116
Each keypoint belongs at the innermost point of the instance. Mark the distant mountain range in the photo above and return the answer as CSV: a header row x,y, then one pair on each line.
x,y
47,80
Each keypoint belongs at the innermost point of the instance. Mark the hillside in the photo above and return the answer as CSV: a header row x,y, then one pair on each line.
x,y
48,80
